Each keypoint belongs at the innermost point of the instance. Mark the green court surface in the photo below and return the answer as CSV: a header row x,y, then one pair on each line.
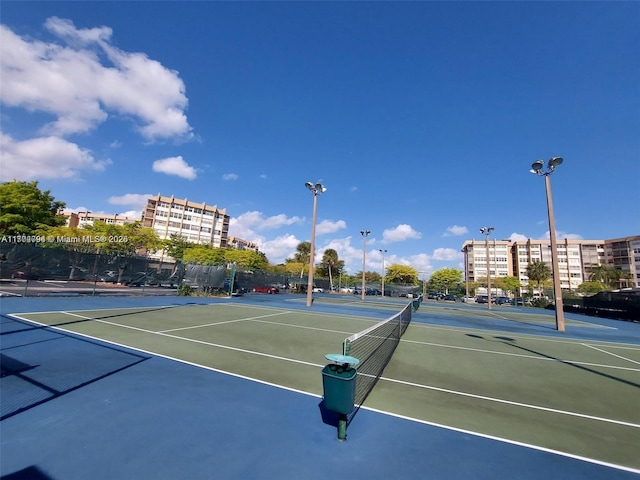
x,y
572,396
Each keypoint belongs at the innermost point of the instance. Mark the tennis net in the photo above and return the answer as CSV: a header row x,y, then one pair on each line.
x,y
374,348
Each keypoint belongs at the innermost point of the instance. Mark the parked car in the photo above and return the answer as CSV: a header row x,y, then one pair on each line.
x,y
265,289
469,299
449,298
502,301
482,299
318,290
521,301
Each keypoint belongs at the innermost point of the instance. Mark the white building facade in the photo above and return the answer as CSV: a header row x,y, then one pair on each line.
x,y
576,259
194,222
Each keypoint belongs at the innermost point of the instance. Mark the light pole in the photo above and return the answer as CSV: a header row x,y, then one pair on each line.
x,y
466,273
316,190
536,168
383,252
365,234
486,231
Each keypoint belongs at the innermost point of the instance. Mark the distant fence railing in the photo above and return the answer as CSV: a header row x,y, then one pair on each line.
x,y
623,305
30,262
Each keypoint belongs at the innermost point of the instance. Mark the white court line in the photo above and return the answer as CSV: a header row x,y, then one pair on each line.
x,y
492,352
444,390
535,336
612,354
522,355
383,412
227,321
226,347
509,402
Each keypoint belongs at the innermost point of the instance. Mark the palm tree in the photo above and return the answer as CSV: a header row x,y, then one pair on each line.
x,y
303,255
539,272
608,275
331,264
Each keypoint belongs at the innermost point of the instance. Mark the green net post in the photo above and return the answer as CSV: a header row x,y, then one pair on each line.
x,y
342,427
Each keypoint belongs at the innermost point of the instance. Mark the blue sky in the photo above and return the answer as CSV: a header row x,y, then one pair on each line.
x,y
421,118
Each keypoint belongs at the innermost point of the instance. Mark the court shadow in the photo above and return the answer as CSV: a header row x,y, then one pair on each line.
x,y
36,370
329,417
512,342
29,473
506,339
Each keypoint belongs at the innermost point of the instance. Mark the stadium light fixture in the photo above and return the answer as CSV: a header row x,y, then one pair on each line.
x,y
316,190
365,234
537,168
486,231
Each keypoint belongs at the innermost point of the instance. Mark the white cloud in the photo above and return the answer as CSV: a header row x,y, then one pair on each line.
x,y
76,210
518,237
278,249
422,263
44,157
131,199
69,80
277,221
400,233
131,214
328,226
175,166
447,254
230,176
562,236
246,225
455,230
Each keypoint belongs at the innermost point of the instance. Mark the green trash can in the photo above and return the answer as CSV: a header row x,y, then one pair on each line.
x,y
339,386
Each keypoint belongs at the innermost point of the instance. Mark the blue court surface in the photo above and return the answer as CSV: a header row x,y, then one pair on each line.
x,y
196,388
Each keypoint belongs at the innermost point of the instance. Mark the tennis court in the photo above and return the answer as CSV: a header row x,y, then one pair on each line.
x,y
500,384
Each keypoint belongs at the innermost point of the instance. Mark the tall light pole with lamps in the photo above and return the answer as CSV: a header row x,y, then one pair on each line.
x,y
316,190
536,168
383,252
365,234
486,231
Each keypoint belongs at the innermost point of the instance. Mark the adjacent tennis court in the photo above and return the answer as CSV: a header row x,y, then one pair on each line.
x,y
502,376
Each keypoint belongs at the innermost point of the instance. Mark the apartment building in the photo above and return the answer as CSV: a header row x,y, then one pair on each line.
x,y
82,219
576,259
624,254
193,221
241,244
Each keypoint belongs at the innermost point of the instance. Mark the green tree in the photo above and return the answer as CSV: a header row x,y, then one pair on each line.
x,y
330,266
303,255
175,246
294,268
247,259
130,238
403,274
68,238
591,287
538,272
608,275
25,209
204,254
445,279
508,284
